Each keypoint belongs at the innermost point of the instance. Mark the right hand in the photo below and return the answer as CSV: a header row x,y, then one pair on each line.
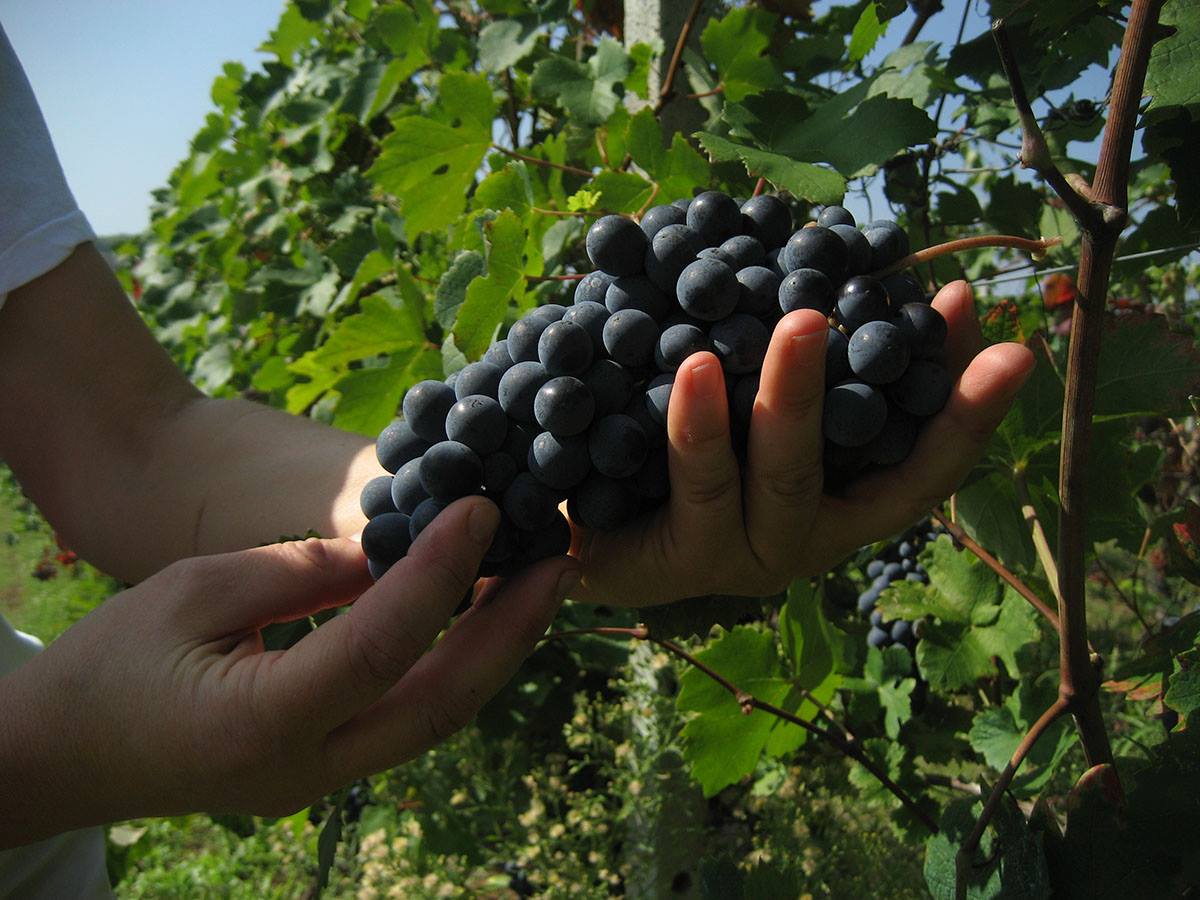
x,y
163,701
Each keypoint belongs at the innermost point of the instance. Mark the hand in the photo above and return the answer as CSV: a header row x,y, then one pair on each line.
x,y
163,701
750,533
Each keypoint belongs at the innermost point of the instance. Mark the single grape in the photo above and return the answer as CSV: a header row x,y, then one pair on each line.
x,y
878,638
478,378
658,217
902,288
758,291
637,292
682,203
630,337
450,470
376,497
708,290
603,503
592,287
895,442
677,343
501,553
835,215
858,251
922,390
924,329
875,568
775,262
551,312
498,356
673,247
564,406
861,299
499,469
406,489
377,570
854,413
867,600
768,219
818,248
878,352
741,251
478,422
397,444
638,410
529,503
806,289
427,510
565,349
552,540
518,386
386,539
425,408
837,359
902,632
740,342
658,397
559,463
893,571
889,243
524,336
617,446
590,316
714,216
617,245
611,385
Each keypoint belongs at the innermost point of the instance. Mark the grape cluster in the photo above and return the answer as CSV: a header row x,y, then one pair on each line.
x,y
572,404
896,562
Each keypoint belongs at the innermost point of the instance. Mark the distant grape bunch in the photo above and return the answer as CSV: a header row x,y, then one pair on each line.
x,y
895,562
572,404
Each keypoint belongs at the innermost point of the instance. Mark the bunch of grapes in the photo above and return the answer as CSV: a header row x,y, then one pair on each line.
x,y
896,562
572,404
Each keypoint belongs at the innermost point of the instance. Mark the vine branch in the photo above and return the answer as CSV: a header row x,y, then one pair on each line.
x,y
1036,247
668,86
748,702
544,163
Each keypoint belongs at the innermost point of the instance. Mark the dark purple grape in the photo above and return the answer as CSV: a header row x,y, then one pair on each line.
x,y
768,219
895,442
552,540
565,349
425,408
637,292
524,336
376,497
450,470
499,469
708,289
923,390
682,203
775,262
878,638
630,337
878,352
407,491
742,251
617,245
837,360
758,291
376,569
559,463
923,327
603,503
551,312
592,287
902,288
714,216
835,215
516,444
478,378
659,217
504,547
498,356
860,300
652,481
590,316
889,243
676,344
386,538
854,413
478,422
806,289
902,632
740,342
658,398
397,444
858,251
819,248
617,446
611,386
427,510
564,406
669,253
529,503
518,387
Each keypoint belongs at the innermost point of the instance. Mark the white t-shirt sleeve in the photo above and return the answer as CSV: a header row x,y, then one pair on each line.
x,y
40,223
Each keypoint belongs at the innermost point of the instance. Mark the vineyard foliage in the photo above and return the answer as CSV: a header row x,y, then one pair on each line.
x,y
400,181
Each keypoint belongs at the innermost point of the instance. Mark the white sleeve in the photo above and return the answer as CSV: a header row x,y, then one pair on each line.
x,y
40,224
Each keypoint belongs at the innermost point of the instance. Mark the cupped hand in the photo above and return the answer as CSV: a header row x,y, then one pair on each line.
x,y
751,532
163,700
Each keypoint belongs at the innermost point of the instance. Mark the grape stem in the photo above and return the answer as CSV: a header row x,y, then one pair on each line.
x,y
545,163
848,746
1036,247
539,278
668,86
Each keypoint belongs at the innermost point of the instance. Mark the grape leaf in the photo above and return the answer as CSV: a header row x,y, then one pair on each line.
x,y
369,397
990,512
1183,689
619,191
1173,75
584,90
508,188
292,33
677,169
954,655
487,297
452,289
805,635
805,180
506,42
997,731
735,44
1145,368
867,32
1010,862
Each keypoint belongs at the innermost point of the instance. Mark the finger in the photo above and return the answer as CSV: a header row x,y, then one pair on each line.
x,y
445,689
782,484
964,340
232,593
705,481
949,446
352,660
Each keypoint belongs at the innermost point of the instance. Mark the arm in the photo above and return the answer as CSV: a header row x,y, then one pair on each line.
x,y
131,463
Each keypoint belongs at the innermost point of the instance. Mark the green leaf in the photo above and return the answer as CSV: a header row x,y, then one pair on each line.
x,y
953,656
990,512
1183,689
327,842
805,635
452,289
678,169
486,304
1145,368
369,397
867,32
583,90
1010,862
291,34
697,616
1173,75
638,79
506,42
509,188
736,45
809,182
997,731
620,192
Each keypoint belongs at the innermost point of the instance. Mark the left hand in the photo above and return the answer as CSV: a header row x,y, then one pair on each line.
x,y
751,533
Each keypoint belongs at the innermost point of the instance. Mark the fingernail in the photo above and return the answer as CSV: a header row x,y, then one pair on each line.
x,y
706,380
482,522
566,583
